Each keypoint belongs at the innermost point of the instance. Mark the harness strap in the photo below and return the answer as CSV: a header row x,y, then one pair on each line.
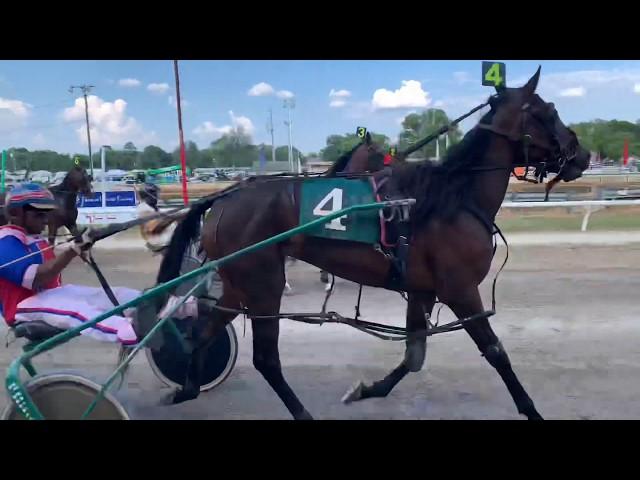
x,y
493,229
495,280
103,281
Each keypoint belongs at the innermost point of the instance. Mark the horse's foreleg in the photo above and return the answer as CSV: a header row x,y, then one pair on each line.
x,y
419,306
266,359
491,348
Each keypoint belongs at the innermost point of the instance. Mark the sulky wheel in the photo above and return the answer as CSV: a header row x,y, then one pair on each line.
x,y
170,362
63,396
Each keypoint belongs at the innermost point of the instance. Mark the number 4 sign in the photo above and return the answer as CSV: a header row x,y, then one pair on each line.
x,y
335,196
494,74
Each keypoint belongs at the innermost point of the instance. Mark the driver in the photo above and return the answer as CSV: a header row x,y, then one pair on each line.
x,y
31,288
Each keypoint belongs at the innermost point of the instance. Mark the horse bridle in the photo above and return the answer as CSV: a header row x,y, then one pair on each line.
x,y
562,155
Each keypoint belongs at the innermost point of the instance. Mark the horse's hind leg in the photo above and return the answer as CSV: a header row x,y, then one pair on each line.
x,y
419,305
491,348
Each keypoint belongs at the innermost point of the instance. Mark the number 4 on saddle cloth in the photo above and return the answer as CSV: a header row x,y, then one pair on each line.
x,y
388,227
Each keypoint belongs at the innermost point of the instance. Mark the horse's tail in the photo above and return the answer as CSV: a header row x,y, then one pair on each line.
x,y
186,231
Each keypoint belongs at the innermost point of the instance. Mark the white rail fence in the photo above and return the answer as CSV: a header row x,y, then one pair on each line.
x,y
589,206
107,215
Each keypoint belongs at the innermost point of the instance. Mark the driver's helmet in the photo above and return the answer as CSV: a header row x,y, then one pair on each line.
x,y
32,195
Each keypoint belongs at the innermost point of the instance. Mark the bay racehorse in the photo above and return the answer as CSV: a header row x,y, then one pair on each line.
x,y
450,247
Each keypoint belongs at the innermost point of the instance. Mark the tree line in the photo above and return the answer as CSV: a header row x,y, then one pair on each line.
x,y
235,149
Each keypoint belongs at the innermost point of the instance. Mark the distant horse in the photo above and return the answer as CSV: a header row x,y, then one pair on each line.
x,y
66,194
366,157
76,181
450,246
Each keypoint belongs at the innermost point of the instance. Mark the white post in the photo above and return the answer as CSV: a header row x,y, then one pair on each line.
x,y
273,143
290,103
103,161
290,149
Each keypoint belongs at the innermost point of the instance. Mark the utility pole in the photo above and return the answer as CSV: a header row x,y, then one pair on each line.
x,y
86,89
289,104
270,130
183,159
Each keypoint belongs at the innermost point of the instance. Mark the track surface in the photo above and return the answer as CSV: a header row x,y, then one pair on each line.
x,y
567,315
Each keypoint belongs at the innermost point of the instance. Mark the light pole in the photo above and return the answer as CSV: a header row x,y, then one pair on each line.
x,y
183,160
85,90
289,104
270,130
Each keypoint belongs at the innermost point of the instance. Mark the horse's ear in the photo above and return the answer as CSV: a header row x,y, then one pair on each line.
x,y
530,88
367,138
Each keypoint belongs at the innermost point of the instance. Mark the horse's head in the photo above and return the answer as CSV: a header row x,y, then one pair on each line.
x,y
520,115
368,156
77,180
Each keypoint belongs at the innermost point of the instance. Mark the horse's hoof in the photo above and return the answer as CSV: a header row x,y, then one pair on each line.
x,y
167,400
353,394
180,396
303,416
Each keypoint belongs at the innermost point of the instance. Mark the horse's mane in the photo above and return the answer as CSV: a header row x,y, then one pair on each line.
x,y
441,189
342,161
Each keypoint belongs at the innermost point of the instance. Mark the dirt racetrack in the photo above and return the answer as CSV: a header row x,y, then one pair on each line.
x,y
568,315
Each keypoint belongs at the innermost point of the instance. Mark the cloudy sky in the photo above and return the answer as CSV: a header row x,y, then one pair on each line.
x,y
135,100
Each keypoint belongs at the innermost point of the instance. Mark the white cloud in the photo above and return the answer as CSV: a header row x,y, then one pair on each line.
x,y
243,123
573,92
13,113
554,84
172,102
158,88
209,131
129,82
462,77
110,123
284,94
261,89
338,98
636,88
16,107
409,95
339,93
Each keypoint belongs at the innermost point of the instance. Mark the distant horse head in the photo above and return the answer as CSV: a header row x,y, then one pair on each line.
x,y
366,156
77,181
